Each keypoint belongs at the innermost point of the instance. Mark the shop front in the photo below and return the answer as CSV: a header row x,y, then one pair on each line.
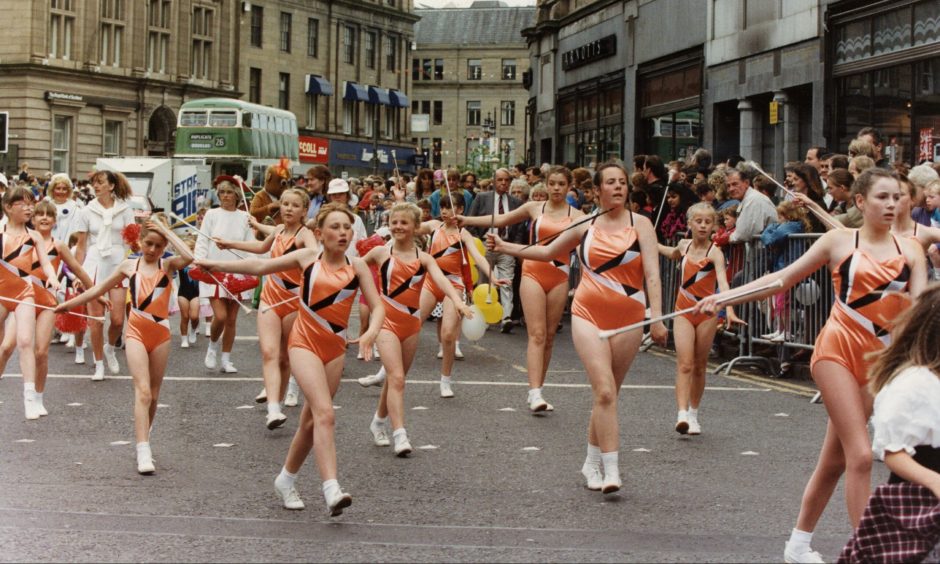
x,y
313,151
360,159
669,105
886,74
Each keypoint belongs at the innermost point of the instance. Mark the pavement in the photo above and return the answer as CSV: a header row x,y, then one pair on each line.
x,y
487,482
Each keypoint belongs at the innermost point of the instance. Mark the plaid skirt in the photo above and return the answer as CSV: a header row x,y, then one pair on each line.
x,y
900,524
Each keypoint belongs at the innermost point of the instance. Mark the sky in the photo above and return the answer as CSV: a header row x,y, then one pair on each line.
x,y
465,3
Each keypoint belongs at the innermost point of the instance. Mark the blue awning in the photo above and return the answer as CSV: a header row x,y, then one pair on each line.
x,y
356,92
318,86
379,96
398,98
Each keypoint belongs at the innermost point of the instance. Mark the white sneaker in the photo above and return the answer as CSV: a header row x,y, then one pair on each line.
x,y
193,335
212,361
262,397
592,473
457,354
31,408
292,398
611,484
289,497
228,368
446,390
79,355
808,556
538,404
66,337
275,420
338,501
185,343
375,352
402,446
694,427
99,372
379,434
359,355
682,425
372,380
40,408
440,351
70,343
145,463
110,358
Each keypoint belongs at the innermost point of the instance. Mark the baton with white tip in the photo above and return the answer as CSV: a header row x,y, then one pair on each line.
x,y
201,232
266,308
21,302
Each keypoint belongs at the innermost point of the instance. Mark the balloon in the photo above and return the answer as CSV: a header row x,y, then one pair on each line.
x,y
474,270
475,328
492,311
807,293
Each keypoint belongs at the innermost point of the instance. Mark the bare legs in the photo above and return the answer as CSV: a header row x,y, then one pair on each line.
x,y
396,357
692,347
543,312
117,296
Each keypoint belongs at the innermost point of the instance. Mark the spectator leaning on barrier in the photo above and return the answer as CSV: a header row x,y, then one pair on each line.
x,y
756,211
920,176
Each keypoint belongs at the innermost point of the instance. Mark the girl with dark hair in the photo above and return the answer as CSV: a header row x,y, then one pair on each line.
x,y
679,198
424,184
804,179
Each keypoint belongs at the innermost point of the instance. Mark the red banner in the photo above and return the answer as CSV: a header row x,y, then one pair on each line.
x,y
314,150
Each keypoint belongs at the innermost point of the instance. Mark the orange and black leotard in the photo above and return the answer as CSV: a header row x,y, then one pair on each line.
x,y
41,295
555,272
698,282
869,296
448,253
610,294
16,263
150,307
282,285
401,290
326,300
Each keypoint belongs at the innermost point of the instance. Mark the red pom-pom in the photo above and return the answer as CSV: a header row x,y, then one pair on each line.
x,y
131,234
234,283
366,245
67,323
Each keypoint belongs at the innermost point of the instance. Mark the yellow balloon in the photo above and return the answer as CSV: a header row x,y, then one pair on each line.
x,y
492,311
474,270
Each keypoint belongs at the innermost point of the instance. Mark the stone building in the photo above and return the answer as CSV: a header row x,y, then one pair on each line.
x,y
467,77
89,78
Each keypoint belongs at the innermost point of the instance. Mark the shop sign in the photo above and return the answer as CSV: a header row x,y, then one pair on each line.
x,y
314,149
53,96
926,145
774,113
361,155
589,52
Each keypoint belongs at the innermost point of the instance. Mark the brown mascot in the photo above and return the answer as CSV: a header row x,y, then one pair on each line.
x,y
266,203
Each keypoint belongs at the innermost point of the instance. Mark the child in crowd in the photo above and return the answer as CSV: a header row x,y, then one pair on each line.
x,y
790,219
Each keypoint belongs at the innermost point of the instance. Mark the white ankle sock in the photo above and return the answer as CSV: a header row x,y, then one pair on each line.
x,y
329,486
611,463
285,479
226,358
376,420
399,434
29,390
445,379
593,455
37,396
693,413
381,372
214,345
535,393
143,448
683,415
99,364
274,407
800,539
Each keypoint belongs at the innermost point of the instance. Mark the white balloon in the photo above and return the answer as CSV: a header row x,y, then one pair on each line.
x,y
807,293
475,328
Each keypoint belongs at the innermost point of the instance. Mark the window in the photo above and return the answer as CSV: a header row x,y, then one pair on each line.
x,y
283,91
313,37
254,86
257,24
391,123
437,118
509,69
474,69
426,69
61,141
415,69
113,138
436,151
371,112
61,29
203,33
391,53
438,69
473,113
158,35
285,32
349,116
112,32
369,49
507,113
349,44
312,107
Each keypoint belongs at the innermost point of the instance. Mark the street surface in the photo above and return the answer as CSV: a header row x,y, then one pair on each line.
x,y
488,481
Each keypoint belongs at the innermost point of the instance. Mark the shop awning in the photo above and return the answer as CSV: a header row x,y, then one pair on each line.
x,y
318,86
398,98
356,92
379,96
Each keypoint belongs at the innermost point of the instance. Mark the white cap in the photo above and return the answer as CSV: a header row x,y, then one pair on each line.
x,y
337,186
3,179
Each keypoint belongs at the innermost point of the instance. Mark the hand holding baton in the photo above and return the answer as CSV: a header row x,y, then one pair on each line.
x,y
823,217
201,232
721,299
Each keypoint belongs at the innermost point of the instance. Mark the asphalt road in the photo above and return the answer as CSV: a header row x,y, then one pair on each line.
x,y
488,481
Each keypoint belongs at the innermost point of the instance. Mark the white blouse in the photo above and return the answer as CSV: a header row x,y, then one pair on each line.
x,y
907,412
222,224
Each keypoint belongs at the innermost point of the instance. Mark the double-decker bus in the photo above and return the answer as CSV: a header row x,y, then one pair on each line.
x,y
236,137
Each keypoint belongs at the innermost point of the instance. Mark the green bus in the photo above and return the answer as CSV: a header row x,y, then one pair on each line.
x,y
236,137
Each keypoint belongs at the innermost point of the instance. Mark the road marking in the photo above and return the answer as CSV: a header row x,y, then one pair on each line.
x,y
223,445
531,448
120,443
25,441
750,453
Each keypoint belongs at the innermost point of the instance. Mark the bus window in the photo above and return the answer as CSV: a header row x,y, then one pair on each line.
x,y
247,119
193,119
277,124
223,118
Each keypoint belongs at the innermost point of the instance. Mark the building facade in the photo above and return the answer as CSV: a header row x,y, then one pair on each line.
x,y
763,79
467,74
84,79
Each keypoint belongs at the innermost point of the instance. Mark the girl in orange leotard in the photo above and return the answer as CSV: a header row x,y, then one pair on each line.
x,y
702,266
402,268
544,286
150,281
875,274
20,250
618,255
905,226
44,220
318,342
274,325
447,245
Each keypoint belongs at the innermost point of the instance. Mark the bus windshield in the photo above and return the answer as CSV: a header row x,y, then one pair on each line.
x,y
223,118
193,119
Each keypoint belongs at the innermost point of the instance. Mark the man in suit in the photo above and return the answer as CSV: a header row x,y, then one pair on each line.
x,y
499,201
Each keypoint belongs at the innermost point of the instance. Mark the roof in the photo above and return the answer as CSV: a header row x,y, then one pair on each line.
x,y
479,24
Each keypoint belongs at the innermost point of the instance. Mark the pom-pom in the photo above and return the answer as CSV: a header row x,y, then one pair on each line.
x,y
131,234
68,323
363,246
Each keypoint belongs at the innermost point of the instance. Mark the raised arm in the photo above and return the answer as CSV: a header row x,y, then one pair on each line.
x,y
518,215
824,216
260,266
73,264
185,256
673,253
251,246
429,226
97,290
564,243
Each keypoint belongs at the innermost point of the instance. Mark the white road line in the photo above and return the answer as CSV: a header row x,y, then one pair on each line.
x,y
424,382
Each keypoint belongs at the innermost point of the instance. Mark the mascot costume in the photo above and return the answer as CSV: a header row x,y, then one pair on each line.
x,y
266,203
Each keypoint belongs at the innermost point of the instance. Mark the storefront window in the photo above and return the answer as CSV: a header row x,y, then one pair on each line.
x,y
892,31
926,107
854,42
591,124
675,135
927,23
